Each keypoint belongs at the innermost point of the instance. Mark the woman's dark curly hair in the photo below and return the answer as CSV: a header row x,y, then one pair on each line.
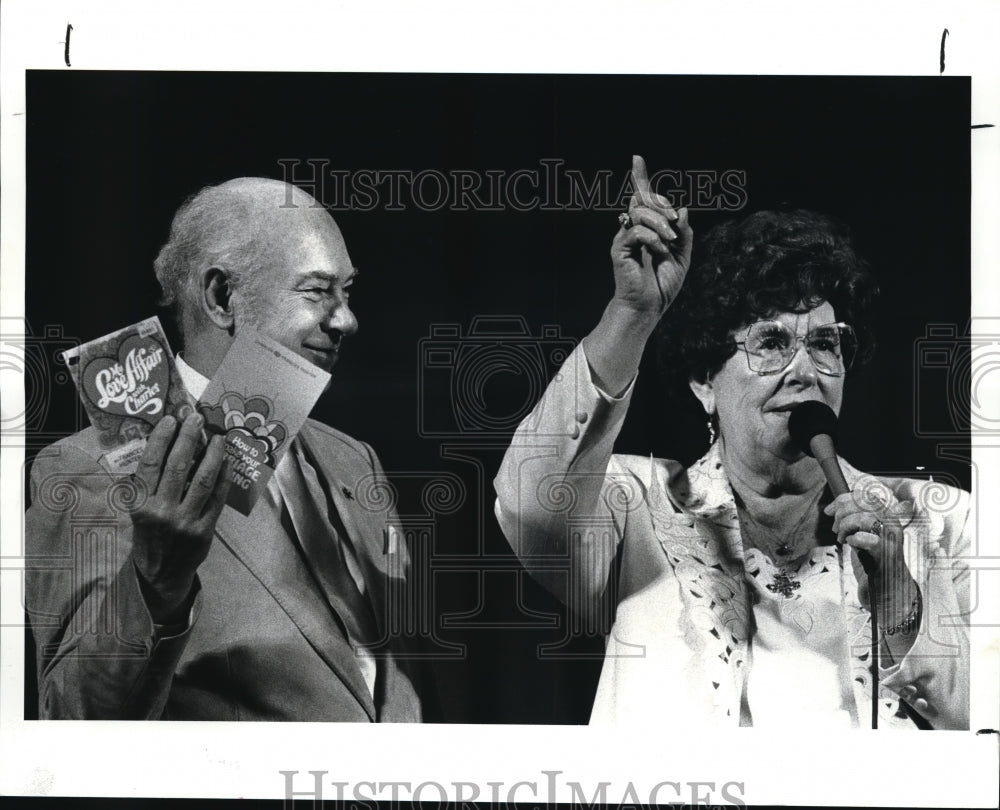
x,y
749,270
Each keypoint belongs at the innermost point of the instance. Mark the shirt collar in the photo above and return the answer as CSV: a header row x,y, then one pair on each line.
x,y
194,381
703,488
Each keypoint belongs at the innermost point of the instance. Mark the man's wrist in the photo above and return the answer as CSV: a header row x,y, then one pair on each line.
x,y
167,603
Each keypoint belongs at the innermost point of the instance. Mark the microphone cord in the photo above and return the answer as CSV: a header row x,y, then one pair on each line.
x,y
874,586
874,615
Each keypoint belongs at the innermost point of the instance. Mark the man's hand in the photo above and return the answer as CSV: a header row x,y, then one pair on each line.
x,y
652,257
172,530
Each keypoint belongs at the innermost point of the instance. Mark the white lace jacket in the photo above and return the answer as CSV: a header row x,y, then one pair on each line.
x,y
699,636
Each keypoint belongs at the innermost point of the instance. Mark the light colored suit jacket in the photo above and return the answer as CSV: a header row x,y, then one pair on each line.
x,y
663,543
263,642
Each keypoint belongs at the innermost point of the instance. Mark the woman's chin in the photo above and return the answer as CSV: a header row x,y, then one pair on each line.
x,y
787,450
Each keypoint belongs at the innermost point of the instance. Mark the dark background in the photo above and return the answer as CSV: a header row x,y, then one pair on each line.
x,y
112,155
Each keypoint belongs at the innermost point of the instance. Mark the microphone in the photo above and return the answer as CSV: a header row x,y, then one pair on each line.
x,y
813,427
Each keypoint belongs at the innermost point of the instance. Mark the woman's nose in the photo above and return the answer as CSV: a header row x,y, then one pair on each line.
x,y
802,366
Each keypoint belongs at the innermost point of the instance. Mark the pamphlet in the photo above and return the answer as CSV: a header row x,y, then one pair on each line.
x,y
259,399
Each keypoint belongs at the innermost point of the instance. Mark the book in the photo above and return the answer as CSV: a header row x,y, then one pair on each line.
x,y
128,381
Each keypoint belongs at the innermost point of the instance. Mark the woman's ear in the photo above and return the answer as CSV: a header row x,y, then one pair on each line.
x,y
216,299
705,393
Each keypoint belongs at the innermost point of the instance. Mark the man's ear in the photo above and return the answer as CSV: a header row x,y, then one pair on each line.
x,y
705,393
216,297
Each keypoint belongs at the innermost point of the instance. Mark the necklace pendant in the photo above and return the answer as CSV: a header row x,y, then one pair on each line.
x,y
784,549
784,584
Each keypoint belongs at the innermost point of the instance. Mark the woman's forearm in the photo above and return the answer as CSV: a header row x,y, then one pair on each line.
x,y
615,346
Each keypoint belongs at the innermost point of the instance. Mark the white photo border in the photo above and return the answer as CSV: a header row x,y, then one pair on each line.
x,y
223,760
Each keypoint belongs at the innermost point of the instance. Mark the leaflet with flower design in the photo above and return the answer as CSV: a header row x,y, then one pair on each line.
x,y
258,399
128,382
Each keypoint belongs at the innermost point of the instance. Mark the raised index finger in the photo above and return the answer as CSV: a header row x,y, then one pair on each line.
x,y
641,193
640,178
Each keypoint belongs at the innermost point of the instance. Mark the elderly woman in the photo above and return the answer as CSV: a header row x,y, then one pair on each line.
x,y
739,594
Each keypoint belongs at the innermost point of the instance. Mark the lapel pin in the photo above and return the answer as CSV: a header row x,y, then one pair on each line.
x,y
347,493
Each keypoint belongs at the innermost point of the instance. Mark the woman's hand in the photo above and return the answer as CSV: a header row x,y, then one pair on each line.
x,y
652,257
871,519
650,261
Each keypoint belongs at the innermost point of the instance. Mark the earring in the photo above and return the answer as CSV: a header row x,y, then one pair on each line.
x,y
711,431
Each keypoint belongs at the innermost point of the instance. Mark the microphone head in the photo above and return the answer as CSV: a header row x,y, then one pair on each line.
x,y
810,419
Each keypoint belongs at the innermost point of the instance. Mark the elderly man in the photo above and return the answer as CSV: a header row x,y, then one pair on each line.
x,y
191,611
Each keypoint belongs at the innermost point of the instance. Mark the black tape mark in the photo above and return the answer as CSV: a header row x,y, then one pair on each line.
x,y
982,126
69,28
944,36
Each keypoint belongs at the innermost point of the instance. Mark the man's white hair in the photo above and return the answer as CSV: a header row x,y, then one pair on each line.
x,y
230,226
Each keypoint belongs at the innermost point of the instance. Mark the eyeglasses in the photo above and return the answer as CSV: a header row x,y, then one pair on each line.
x,y
770,347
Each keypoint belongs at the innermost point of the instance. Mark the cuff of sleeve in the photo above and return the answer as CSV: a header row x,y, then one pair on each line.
x,y
148,697
611,398
898,675
168,636
933,675
165,631
135,583
125,670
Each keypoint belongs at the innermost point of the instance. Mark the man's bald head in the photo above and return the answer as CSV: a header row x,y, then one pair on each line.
x,y
243,227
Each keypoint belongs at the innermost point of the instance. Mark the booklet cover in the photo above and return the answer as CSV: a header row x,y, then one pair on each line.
x,y
259,399
128,382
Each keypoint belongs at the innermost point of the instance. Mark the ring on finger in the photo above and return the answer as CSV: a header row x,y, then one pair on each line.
x,y
876,528
625,220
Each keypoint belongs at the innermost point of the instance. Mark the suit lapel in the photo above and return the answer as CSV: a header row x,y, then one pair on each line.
x,y
262,544
366,528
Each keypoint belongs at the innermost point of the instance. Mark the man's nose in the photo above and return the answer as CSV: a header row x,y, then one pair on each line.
x,y
342,320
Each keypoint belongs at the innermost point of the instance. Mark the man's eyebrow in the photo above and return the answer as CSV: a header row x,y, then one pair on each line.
x,y
326,276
